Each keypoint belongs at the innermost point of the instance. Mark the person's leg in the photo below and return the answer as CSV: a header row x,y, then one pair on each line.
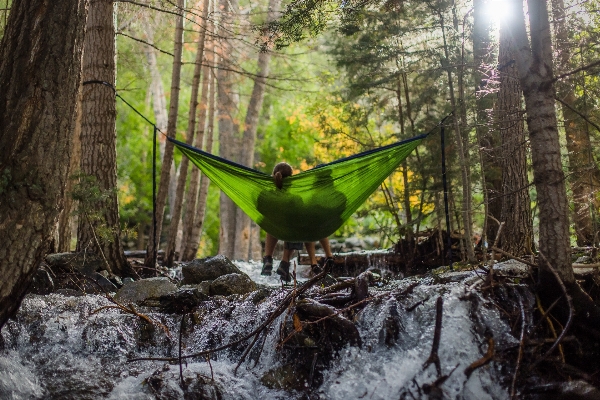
x,y
284,265
310,249
326,247
287,253
270,243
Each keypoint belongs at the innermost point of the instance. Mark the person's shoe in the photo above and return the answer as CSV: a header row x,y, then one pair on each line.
x,y
267,266
284,271
315,269
328,263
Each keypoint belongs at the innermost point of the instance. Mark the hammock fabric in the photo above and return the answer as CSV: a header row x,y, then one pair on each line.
x,y
312,204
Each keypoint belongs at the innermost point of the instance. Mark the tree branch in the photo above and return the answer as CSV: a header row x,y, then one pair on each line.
x,y
591,65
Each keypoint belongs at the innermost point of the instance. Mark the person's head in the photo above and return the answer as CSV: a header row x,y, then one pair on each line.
x,y
281,170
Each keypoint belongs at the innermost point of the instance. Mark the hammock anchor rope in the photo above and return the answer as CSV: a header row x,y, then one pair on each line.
x,y
299,213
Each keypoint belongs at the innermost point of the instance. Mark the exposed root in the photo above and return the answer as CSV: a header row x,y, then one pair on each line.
x,y
433,356
489,355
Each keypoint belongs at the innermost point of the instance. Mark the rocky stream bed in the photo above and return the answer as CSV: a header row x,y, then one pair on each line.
x,y
442,335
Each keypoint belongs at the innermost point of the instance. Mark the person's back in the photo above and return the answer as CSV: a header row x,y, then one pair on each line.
x,y
292,210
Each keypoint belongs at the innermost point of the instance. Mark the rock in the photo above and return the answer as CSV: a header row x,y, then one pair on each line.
x,y
354,242
117,281
138,291
208,269
259,295
165,384
103,282
583,260
202,287
232,284
181,302
338,329
42,282
85,262
70,292
287,377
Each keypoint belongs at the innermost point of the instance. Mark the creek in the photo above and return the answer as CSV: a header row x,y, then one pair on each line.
x,y
69,347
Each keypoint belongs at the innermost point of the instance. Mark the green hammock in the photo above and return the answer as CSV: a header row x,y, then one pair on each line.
x,y
312,204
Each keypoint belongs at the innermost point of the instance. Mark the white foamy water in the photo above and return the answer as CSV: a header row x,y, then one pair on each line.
x,y
58,348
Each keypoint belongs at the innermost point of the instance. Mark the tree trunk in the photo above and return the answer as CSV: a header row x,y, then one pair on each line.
x,y
203,193
465,172
517,237
66,219
99,137
165,173
227,109
40,75
159,102
189,242
489,139
184,167
583,171
534,63
242,221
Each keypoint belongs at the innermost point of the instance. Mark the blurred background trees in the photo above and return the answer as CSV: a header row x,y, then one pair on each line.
x,y
365,74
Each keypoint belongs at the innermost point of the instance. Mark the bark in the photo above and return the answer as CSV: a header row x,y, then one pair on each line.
x,y
159,107
406,189
227,109
66,219
242,221
99,137
40,75
489,139
534,63
176,206
205,182
189,242
583,170
165,173
517,237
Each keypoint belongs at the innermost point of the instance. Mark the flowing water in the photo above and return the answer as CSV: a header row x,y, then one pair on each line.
x,y
57,347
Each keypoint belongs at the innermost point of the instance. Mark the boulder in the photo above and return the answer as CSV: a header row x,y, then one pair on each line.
x,y
181,302
85,262
138,291
208,269
202,287
232,284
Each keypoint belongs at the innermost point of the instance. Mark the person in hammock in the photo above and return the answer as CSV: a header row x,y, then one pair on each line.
x,y
280,172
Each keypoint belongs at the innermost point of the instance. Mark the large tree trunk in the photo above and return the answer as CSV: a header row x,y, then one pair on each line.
x,y
40,75
583,171
242,221
99,138
534,63
165,173
66,219
517,237
176,206
227,110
